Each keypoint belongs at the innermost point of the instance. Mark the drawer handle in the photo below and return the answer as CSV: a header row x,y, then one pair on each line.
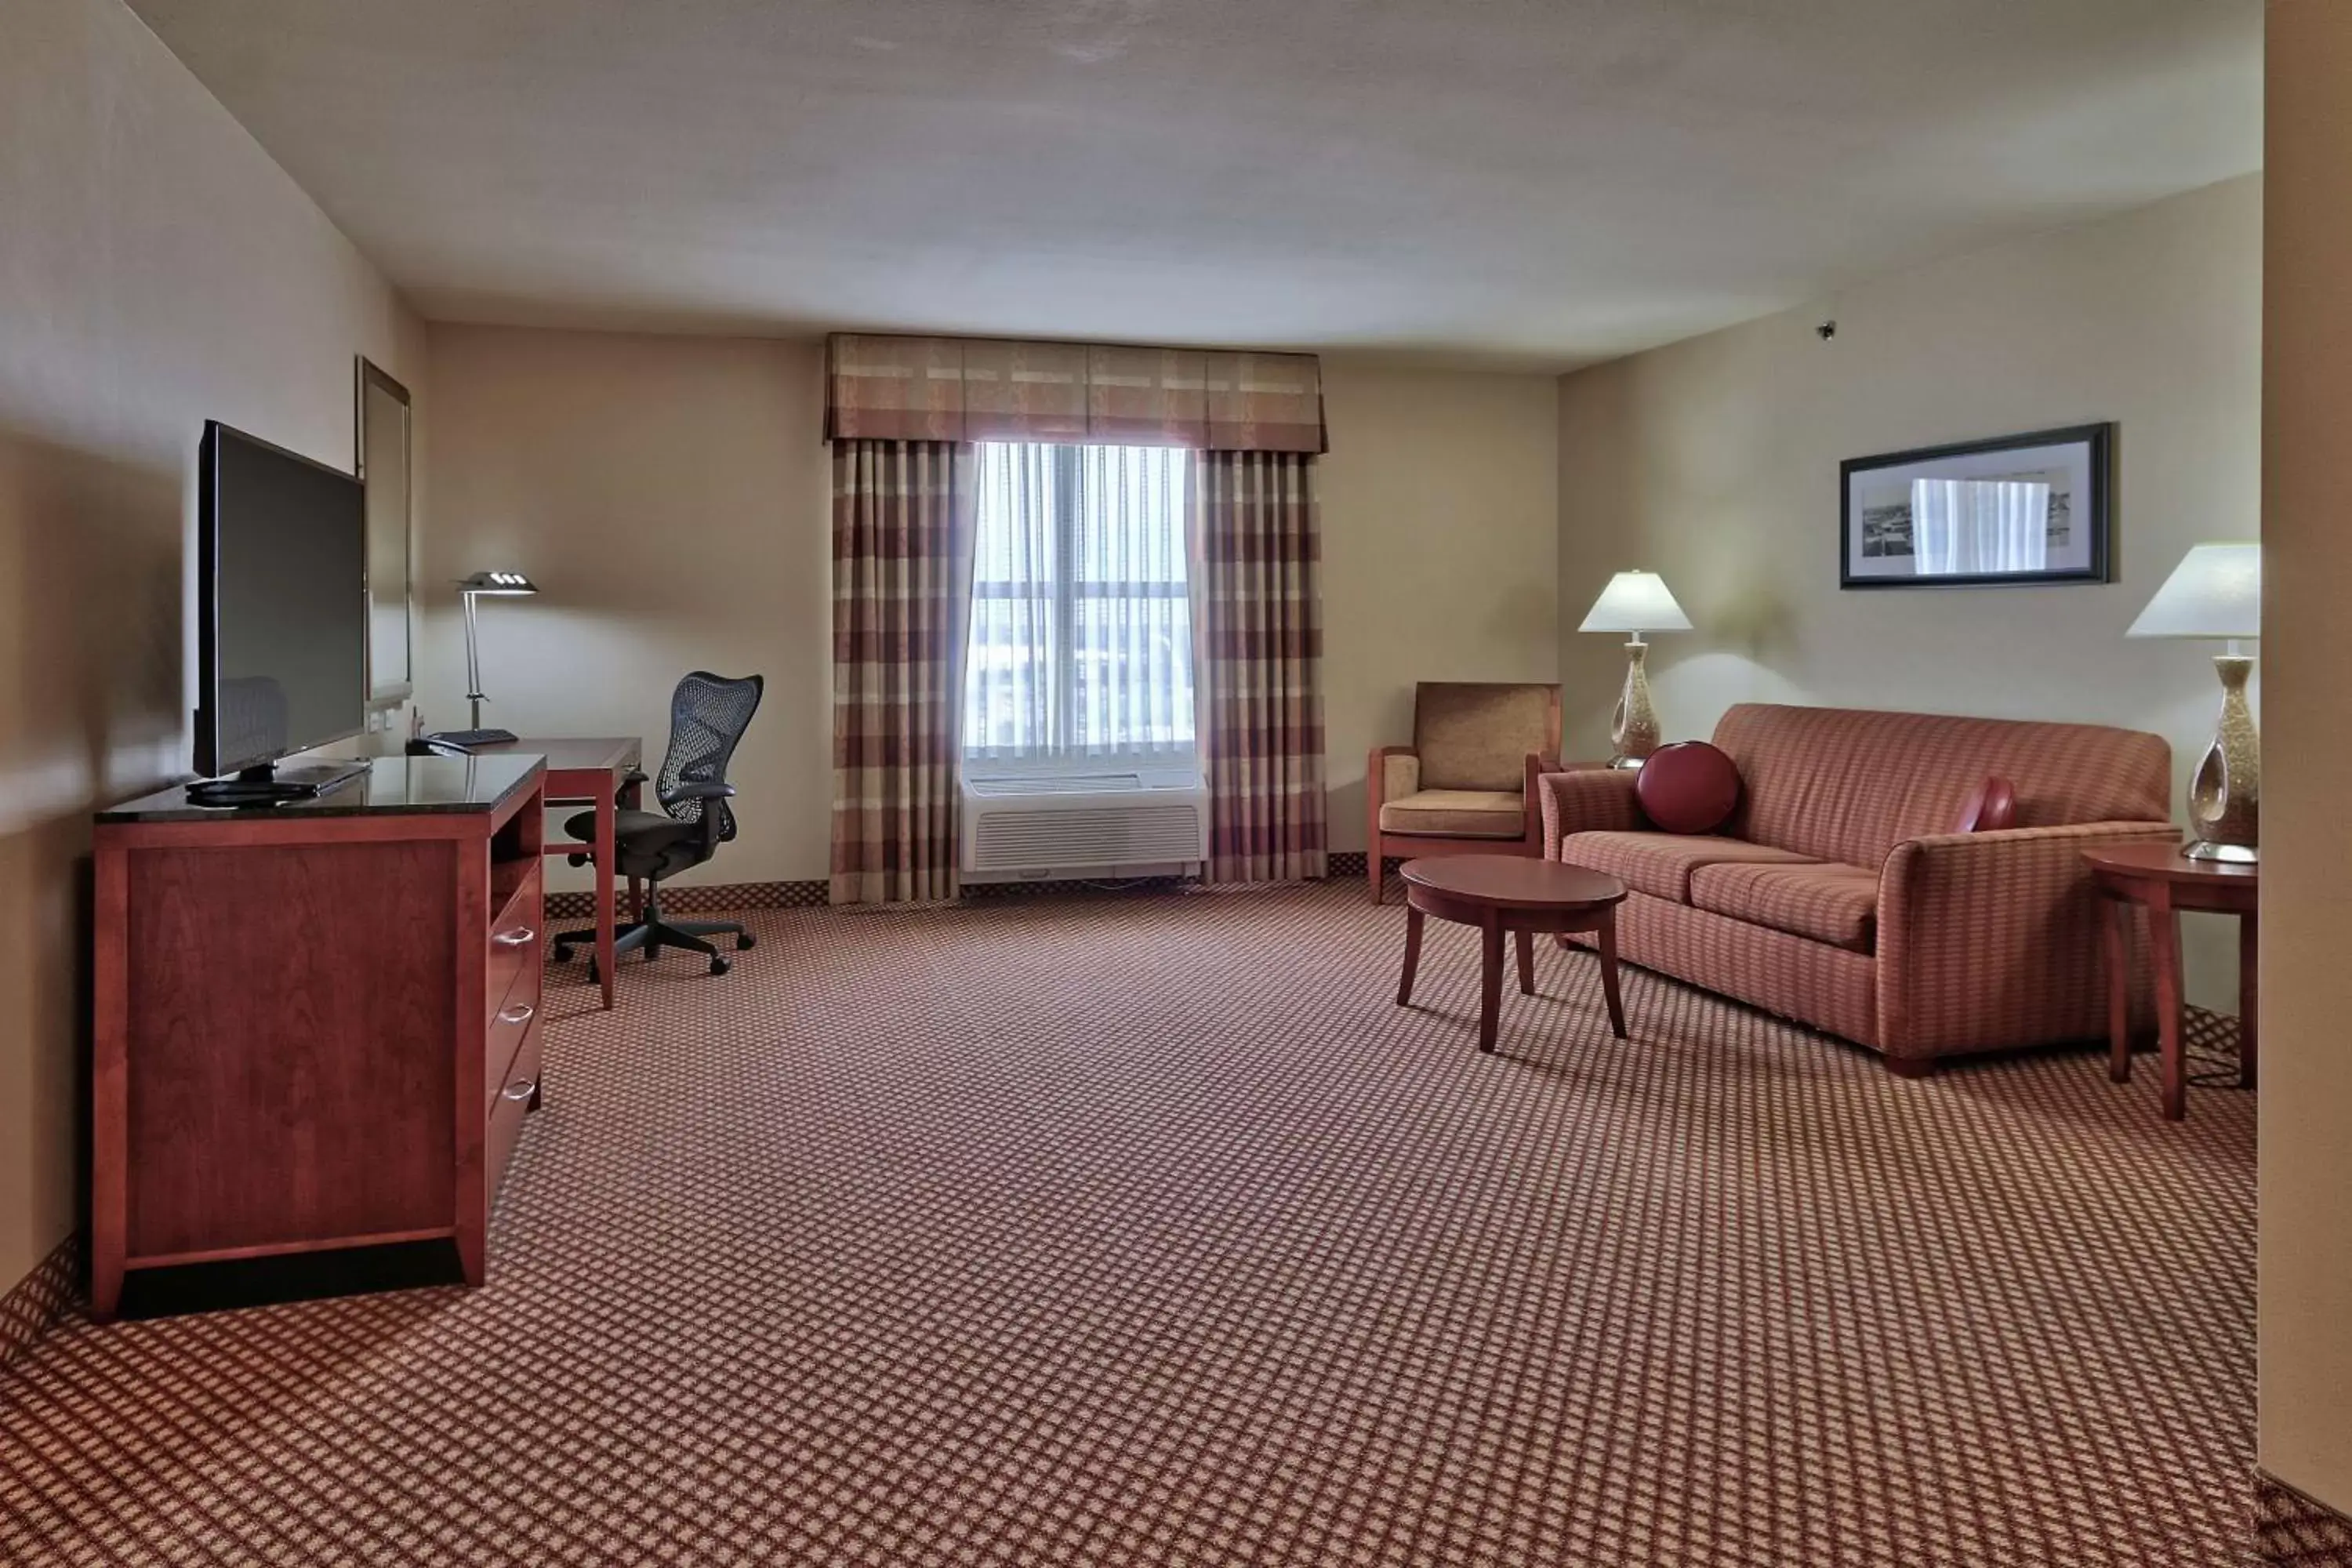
x,y
519,1014
521,1089
520,937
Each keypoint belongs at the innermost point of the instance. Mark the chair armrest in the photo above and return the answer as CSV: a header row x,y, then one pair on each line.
x,y
1590,800
706,826
1530,798
1992,939
1390,773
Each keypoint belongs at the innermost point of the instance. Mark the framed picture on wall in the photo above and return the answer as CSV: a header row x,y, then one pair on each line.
x,y
1978,514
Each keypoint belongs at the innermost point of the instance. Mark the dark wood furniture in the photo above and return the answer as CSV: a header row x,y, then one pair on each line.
x,y
1500,894
2160,880
597,770
316,1024
1450,719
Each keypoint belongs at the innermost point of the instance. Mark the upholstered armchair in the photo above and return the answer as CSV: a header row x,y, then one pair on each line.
x,y
1466,786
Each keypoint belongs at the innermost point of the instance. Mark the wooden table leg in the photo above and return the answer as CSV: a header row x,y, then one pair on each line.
x,y
2249,999
2117,925
607,810
1616,1000
1490,979
1527,943
1412,918
632,799
2164,927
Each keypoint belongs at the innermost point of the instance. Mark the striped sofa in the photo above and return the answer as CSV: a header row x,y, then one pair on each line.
x,y
1838,896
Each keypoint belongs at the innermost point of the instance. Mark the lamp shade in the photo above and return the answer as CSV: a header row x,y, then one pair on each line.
x,y
497,582
1635,602
2215,592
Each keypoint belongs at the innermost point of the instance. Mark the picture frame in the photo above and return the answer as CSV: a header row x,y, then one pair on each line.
x,y
2009,512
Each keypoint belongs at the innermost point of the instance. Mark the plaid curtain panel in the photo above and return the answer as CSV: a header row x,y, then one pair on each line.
x,y
902,541
1259,553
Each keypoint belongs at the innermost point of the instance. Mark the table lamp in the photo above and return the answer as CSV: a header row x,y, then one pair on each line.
x,y
2217,591
496,585
1634,602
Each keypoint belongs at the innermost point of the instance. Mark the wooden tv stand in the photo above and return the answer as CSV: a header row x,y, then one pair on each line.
x,y
316,1024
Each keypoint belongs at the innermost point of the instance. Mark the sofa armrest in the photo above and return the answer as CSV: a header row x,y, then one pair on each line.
x,y
1988,940
1590,800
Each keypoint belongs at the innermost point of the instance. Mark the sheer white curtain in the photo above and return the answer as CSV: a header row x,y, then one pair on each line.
x,y
1082,625
1965,526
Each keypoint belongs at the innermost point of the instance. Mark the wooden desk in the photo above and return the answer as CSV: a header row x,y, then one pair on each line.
x,y
2162,880
596,770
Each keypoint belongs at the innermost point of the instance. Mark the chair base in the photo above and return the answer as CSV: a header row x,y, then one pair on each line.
x,y
653,934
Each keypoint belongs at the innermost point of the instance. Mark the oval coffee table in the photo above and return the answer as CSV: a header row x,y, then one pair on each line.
x,y
1500,893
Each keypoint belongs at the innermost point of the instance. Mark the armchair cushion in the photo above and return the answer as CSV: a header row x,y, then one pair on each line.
x,y
1828,902
1457,814
1478,735
1659,864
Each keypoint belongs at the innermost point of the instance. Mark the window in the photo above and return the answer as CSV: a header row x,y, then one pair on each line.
x,y
1081,623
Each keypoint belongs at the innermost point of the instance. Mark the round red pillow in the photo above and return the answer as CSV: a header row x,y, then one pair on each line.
x,y
1688,787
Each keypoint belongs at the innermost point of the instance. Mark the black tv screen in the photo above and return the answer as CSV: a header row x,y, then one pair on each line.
x,y
281,604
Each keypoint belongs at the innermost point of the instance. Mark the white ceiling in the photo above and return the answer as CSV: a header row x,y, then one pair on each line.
x,y
1529,183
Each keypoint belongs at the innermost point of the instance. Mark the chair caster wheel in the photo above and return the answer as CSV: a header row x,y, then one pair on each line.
x,y
743,942
719,966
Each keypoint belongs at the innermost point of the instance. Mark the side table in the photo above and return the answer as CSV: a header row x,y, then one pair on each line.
x,y
2164,883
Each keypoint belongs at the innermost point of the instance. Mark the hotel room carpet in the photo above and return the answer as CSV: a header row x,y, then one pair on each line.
x,y
1151,1230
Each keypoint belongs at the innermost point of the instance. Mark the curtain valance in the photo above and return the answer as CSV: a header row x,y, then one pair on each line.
x,y
890,388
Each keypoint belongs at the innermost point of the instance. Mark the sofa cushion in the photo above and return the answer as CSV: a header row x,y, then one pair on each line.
x,y
1478,735
1828,902
1457,814
1847,785
1659,864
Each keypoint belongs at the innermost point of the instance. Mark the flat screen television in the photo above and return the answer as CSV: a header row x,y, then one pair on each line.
x,y
281,617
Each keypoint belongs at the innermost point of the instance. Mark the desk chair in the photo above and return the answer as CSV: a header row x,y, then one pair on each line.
x,y
707,715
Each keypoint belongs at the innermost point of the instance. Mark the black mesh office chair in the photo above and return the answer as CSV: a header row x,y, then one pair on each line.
x,y
707,715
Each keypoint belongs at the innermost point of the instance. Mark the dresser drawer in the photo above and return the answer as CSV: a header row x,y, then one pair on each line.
x,y
516,1014
510,1102
517,940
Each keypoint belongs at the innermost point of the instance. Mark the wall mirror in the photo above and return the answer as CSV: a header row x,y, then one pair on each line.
x,y
383,450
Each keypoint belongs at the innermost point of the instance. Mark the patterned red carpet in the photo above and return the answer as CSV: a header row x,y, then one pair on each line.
x,y
1151,1231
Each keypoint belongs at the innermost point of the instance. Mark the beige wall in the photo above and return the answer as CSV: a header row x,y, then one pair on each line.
x,y
2306,1093
1441,543
1714,461
668,493
157,270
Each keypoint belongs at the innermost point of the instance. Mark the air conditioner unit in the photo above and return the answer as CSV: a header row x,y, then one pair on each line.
x,y
1078,823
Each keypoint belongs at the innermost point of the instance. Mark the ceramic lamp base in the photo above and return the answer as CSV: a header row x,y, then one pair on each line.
x,y
1633,727
2225,796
